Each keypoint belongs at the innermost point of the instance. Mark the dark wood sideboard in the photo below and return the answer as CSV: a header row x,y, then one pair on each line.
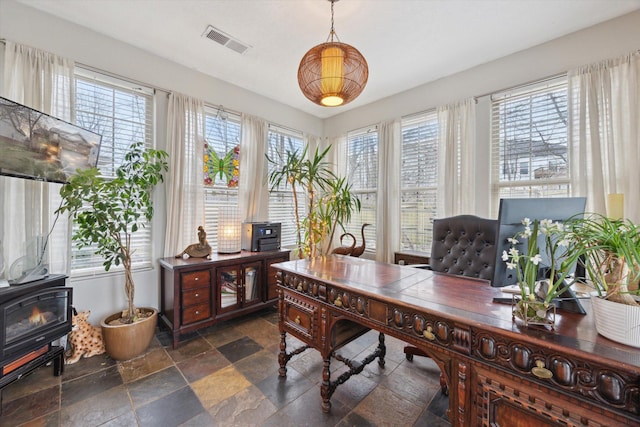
x,y
196,292
499,372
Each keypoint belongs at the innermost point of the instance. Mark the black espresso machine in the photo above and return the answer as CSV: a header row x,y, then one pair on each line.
x,y
261,236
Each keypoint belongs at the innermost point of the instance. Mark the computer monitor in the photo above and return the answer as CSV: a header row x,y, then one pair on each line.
x,y
513,211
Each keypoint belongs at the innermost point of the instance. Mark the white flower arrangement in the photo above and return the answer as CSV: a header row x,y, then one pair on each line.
x,y
527,265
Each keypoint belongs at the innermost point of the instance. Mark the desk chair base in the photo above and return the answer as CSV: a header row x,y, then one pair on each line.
x,y
410,351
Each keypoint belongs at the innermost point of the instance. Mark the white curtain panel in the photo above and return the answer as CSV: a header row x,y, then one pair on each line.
x,y
42,81
253,192
456,158
185,179
388,203
604,116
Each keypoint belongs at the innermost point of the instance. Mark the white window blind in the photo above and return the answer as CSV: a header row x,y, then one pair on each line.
x,y
419,181
222,139
281,203
361,153
529,142
123,115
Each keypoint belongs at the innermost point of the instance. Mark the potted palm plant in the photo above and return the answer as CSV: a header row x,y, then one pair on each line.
x,y
107,213
610,251
322,200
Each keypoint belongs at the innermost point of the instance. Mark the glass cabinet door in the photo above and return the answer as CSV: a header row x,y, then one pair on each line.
x,y
228,288
251,283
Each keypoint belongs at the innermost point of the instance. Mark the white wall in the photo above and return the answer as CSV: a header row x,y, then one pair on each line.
x,y
104,295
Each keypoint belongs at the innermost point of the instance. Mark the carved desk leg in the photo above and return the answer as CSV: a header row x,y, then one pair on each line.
x,y
282,356
325,389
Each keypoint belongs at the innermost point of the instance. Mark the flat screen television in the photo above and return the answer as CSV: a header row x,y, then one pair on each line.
x,y
510,216
35,145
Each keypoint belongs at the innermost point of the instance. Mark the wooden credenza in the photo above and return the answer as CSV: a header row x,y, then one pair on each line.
x,y
499,373
197,292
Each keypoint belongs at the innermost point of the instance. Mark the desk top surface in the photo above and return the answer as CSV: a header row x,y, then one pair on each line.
x,y
460,299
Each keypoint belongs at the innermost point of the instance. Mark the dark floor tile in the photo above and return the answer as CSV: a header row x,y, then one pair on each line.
x,y
90,385
153,361
189,349
128,419
86,366
26,408
439,405
200,420
172,410
306,410
239,349
202,365
282,391
355,420
258,366
155,386
429,419
108,406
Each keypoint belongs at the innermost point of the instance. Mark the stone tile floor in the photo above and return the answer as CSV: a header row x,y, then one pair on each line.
x,y
227,375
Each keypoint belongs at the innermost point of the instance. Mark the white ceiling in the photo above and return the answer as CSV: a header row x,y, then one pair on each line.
x,y
406,42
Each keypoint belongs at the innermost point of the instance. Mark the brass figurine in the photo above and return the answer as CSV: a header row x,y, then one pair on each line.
x,y
197,250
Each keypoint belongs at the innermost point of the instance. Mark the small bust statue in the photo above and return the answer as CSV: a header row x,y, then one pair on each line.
x,y
197,250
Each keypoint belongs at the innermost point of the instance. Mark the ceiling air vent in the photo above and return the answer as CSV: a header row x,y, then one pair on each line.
x,y
226,40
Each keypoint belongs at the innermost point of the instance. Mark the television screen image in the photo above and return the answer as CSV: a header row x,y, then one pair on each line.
x,y
37,146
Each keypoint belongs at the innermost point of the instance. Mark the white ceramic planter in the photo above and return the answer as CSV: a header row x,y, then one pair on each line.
x,y
618,322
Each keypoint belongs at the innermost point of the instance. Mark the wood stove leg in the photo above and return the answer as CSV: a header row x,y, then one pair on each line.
x,y
58,365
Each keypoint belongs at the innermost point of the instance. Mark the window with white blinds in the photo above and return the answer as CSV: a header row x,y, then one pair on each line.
x,y
123,115
530,154
361,153
281,204
418,181
222,144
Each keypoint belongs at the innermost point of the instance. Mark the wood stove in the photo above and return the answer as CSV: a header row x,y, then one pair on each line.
x,y
33,316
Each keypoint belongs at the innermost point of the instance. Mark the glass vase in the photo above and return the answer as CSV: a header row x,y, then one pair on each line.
x,y
533,312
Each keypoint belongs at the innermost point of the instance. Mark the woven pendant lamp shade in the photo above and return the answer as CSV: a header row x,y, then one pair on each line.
x,y
332,74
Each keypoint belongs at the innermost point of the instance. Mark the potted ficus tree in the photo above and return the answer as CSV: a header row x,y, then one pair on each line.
x,y
108,212
610,250
322,200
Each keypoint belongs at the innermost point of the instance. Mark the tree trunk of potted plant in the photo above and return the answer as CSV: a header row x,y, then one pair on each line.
x,y
107,211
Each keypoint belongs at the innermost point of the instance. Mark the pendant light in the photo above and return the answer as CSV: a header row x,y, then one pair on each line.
x,y
332,73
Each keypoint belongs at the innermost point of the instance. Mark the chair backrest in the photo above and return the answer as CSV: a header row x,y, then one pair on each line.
x,y
464,245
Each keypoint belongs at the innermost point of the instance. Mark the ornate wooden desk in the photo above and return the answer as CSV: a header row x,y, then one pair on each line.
x,y
499,373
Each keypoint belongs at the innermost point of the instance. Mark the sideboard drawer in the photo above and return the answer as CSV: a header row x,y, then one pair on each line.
x,y
196,313
196,296
300,317
196,279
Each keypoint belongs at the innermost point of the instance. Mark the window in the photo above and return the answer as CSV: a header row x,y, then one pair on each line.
x,y
281,204
222,144
122,114
418,181
361,154
529,142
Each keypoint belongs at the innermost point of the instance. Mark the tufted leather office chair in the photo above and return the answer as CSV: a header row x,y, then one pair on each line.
x,y
461,245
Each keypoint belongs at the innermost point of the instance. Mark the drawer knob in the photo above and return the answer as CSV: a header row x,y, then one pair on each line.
x,y
196,279
297,320
338,301
197,312
540,371
197,295
428,333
